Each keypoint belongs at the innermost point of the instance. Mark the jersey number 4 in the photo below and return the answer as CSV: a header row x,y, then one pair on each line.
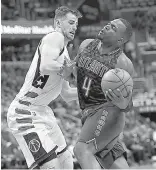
x,y
86,85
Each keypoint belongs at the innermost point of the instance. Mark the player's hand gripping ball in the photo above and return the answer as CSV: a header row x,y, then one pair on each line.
x,y
117,85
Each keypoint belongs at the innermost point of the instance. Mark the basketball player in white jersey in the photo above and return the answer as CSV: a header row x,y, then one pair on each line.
x,y
30,119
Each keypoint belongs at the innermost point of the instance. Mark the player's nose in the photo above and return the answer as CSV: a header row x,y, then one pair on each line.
x,y
107,27
74,28
102,31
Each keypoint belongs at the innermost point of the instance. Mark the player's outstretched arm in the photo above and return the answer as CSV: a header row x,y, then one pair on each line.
x,y
68,93
70,68
50,48
67,70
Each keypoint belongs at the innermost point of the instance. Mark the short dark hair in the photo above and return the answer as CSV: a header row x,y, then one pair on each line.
x,y
63,10
129,29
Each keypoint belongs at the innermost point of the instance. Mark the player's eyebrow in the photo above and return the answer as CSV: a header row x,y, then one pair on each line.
x,y
114,27
73,21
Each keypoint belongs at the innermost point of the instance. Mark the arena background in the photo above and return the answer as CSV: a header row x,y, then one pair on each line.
x,y
24,23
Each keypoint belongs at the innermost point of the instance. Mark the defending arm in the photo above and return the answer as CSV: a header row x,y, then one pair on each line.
x,y
50,49
68,93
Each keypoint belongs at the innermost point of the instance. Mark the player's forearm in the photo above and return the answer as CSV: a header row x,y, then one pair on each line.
x,y
70,94
47,68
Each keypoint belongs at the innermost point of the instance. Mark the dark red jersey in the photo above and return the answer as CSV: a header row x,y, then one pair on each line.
x,y
91,66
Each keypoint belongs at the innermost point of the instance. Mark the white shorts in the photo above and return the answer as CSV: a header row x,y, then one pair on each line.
x,y
36,131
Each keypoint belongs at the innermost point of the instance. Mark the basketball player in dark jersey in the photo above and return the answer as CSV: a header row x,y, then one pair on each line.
x,y
103,115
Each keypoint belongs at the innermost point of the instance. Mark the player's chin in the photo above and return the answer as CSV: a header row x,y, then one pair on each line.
x,y
71,37
99,36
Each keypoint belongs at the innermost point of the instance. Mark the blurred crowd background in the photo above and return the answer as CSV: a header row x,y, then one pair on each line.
x,y
24,23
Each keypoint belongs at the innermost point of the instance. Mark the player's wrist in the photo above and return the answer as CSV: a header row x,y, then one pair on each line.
x,y
60,72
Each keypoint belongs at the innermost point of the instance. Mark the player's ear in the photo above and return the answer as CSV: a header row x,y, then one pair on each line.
x,y
121,41
58,23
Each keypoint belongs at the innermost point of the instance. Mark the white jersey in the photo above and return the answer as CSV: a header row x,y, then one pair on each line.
x,y
39,89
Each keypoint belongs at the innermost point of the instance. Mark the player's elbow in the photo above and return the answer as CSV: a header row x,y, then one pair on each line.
x,y
65,95
69,94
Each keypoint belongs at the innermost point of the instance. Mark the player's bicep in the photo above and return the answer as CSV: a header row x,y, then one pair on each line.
x,y
50,49
126,64
130,67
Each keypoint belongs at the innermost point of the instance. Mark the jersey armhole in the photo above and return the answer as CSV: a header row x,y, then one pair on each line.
x,y
39,53
61,51
41,42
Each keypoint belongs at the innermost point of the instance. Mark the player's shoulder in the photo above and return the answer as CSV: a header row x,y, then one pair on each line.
x,y
53,34
123,58
125,63
84,44
54,37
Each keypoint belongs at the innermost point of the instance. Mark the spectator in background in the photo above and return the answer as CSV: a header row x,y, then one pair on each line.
x,y
151,42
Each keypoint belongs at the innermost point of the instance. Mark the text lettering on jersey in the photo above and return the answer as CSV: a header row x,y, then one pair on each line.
x,y
92,65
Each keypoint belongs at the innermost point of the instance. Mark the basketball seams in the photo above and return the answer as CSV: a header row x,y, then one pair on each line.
x,y
115,93
119,85
119,77
126,87
123,83
110,81
123,73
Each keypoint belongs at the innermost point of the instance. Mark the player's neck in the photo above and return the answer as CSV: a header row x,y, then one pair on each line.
x,y
66,41
106,49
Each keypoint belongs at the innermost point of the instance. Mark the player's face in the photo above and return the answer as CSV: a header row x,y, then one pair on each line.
x,y
69,25
112,32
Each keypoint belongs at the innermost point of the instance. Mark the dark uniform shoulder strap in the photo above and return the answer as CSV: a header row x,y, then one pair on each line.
x,y
89,50
93,44
61,51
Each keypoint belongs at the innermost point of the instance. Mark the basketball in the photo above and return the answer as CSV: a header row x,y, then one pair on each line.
x,y
117,79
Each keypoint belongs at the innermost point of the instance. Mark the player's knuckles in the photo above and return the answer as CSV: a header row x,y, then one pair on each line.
x,y
109,96
109,93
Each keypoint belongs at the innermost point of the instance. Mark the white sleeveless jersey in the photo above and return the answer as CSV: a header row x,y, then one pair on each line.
x,y
39,89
